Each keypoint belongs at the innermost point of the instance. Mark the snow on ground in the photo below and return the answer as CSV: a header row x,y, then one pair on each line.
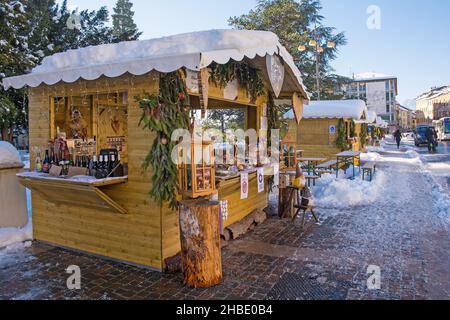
x,y
442,198
343,193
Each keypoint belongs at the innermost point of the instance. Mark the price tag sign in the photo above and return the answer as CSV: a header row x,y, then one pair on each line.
x,y
260,175
244,185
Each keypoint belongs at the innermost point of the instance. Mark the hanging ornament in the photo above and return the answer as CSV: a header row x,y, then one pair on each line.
x,y
164,141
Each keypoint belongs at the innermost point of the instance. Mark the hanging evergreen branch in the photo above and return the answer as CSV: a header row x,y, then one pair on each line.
x,y
352,129
163,114
341,142
364,134
247,76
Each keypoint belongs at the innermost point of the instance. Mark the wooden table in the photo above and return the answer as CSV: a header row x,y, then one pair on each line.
x,y
345,158
311,163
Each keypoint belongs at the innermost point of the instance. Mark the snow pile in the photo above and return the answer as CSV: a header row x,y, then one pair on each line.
x,y
10,236
370,157
9,156
343,193
15,247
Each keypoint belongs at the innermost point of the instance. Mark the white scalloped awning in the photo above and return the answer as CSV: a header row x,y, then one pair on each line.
x,y
191,50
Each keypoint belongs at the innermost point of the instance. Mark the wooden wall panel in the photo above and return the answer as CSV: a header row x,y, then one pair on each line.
x,y
135,237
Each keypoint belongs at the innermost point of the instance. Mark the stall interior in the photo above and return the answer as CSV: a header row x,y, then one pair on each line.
x,y
89,137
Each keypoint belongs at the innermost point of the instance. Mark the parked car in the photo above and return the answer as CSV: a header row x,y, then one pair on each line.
x,y
420,135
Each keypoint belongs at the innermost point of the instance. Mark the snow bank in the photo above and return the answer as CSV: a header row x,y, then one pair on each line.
x,y
15,247
9,156
370,157
343,193
10,236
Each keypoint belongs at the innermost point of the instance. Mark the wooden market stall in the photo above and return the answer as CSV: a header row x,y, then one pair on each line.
x,y
114,101
324,122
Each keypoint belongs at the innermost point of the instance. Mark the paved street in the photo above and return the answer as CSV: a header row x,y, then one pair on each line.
x,y
402,233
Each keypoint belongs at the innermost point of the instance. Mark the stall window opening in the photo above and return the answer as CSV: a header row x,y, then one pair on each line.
x,y
92,125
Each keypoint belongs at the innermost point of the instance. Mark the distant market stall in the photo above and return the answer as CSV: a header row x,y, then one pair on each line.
x,y
99,116
329,127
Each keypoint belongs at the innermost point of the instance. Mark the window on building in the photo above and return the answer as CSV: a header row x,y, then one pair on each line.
x,y
388,108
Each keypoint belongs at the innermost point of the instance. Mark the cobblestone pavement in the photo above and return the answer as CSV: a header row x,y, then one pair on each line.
x,y
399,233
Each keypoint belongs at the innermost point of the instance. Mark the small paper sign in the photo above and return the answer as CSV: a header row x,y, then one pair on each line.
x,y
192,81
260,175
244,185
332,129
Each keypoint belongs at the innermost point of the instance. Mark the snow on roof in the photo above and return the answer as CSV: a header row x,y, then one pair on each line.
x,y
331,109
368,76
9,156
381,123
371,117
434,93
191,50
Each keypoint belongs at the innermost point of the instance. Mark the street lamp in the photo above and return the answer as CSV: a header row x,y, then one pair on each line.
x,y
318,50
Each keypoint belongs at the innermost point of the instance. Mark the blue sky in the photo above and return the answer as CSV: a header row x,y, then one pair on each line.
x,y
413,42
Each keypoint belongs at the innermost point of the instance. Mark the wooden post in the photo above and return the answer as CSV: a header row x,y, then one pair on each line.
x,y
200,243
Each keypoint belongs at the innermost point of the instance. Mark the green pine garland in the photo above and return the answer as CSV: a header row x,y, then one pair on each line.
x,y
341,139
352,129
247,76
163,114
364,134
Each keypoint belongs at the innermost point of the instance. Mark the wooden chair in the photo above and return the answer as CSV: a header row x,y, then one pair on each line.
x,y
301,205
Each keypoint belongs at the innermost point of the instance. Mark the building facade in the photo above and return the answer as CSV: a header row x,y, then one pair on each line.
x,y
379,91
434,104
404,117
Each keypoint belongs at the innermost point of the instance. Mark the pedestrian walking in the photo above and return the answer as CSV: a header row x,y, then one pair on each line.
x,y
431,136
398,137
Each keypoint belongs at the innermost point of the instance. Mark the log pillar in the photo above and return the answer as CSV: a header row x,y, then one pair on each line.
x,y
201,257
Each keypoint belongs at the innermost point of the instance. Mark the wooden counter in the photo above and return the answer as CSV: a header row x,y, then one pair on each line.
x,y
230,189
83,191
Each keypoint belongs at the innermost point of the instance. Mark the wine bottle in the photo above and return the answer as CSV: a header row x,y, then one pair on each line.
x,y
106,166
93,166
52,158
46,163
112,166
99,173
119,170
38,163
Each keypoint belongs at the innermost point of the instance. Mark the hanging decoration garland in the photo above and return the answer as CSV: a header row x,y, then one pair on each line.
x,y
163,114
247,76
341,142
364,134
352,129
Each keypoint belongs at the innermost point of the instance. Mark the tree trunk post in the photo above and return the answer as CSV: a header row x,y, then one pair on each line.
x,y
201,257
